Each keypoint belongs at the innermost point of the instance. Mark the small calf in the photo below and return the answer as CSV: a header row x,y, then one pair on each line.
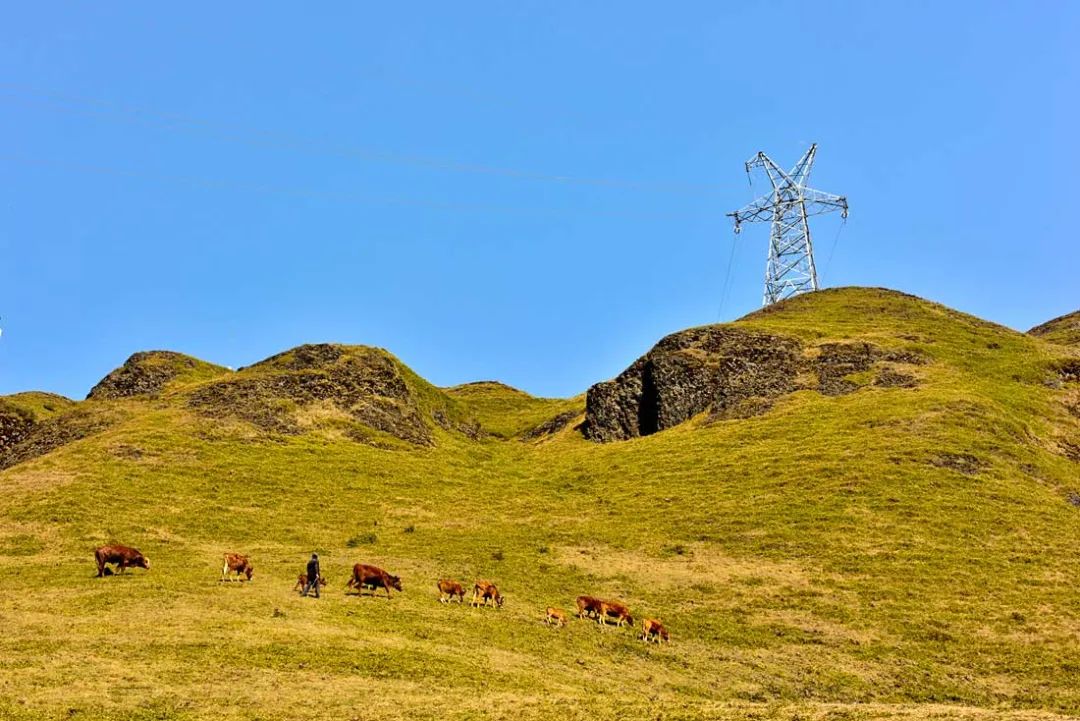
x,y
555,617
448,589
301,582
484,591
653,630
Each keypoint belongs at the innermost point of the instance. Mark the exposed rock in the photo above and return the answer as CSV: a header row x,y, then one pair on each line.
x,y
143,374
1068,370
551,426
687,373
731,372
364,382
891,378
42,437
964,463
15,424
838,360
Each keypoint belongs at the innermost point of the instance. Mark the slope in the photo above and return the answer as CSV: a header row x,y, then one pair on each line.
x,y
1064,330
886,552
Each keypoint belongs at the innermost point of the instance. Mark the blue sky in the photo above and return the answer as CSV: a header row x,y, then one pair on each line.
x,y
531,192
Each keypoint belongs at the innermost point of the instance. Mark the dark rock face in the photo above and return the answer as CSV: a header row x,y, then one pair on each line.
x,y
551,426
143,374
37,439
730,372
1068,370
841,359
15,425
686,373
365,383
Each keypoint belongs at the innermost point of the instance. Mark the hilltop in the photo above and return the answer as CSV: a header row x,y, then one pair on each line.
x,y
1064,330
853,504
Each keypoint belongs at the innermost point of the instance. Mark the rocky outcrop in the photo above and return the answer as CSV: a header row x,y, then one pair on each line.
x,y
731,372
15,425
715,367
364,383
36,438
143,374
551,426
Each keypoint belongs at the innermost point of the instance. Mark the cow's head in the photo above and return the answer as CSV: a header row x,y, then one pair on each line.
x,y
499,599
140,561
395,582
248,571
322,580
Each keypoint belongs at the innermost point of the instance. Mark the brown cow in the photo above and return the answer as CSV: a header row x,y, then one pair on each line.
x,y
616,610
123,556
238,564
372,577
484,591
555,617
448,589
301,582
588,606
652,629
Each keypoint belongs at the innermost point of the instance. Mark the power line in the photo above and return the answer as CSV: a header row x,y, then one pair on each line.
x,y
836,240
264,138
727,277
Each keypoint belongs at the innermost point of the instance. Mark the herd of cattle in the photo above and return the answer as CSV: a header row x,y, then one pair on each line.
x,y
371,578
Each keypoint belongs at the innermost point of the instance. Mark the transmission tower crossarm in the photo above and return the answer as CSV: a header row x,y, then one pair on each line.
x,y
757,211
818,202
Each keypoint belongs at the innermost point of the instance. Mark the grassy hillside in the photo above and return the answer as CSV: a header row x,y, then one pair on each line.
x,y
1064,330
506,412
900,553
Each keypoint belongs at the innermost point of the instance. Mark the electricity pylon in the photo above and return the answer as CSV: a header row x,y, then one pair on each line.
x,y
790,269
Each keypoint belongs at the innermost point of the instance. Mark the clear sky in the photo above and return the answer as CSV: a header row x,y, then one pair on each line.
x,y
524,191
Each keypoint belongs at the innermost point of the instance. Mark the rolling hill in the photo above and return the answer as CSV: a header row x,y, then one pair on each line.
x,y
1064,329
855,504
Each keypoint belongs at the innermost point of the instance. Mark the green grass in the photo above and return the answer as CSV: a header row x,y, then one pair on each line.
x,y
1064,330
815,562
36,405
506,412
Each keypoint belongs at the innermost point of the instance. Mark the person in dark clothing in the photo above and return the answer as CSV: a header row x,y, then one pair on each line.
x,y
312,576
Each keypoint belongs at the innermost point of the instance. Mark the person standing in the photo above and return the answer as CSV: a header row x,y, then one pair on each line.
x,y
313,575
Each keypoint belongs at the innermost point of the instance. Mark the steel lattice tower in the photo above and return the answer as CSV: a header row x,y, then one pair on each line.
x,y
790,269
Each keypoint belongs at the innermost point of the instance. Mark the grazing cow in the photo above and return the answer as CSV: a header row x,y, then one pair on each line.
x,y
653,630
484,591
555,617
238,564
615,610
372,577
588,606
123,556
301,582
448,589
